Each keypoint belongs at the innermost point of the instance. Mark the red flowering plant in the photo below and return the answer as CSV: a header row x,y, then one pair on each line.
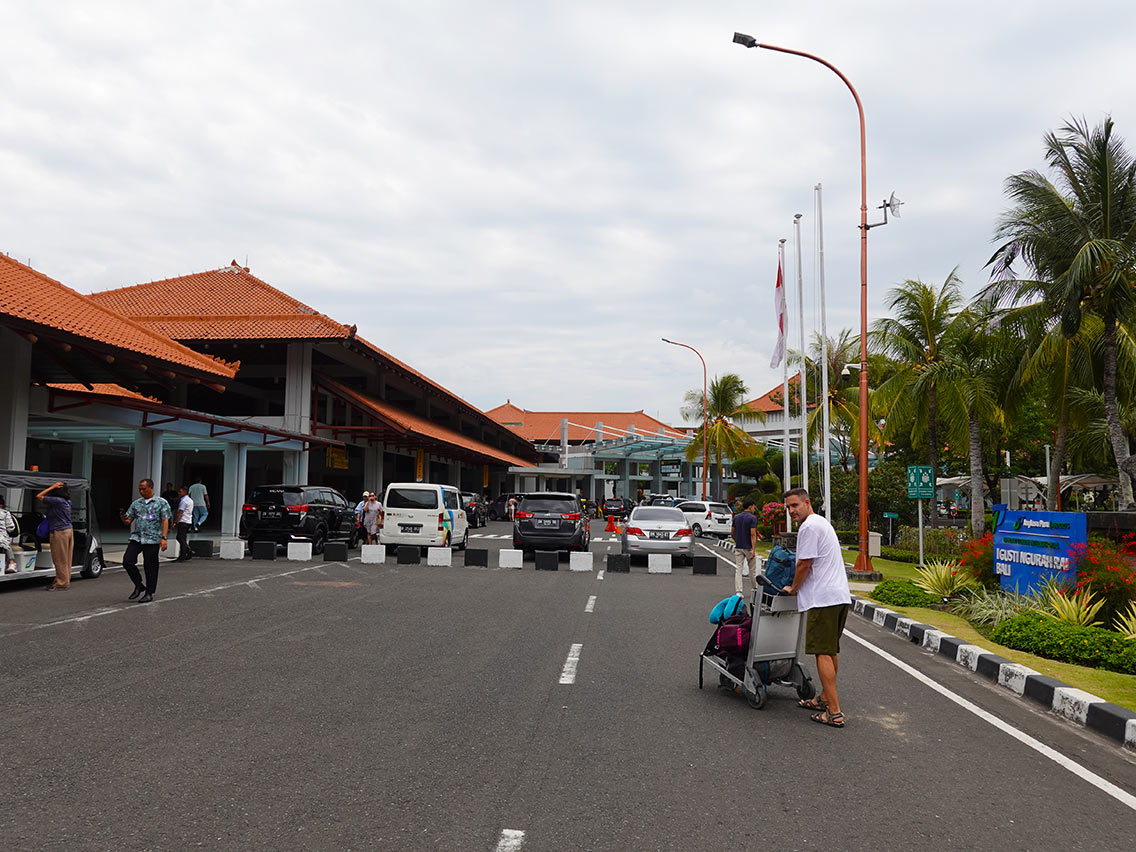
x,y
772,515
977,561
1108,570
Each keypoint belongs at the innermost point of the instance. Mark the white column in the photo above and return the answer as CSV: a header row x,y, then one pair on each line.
x,y
82,459
295,467
148,457
15,380
297,407
373,468
233,488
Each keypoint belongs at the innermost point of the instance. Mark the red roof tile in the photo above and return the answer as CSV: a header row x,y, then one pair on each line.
x,y
544,426
33,298
772,399
223,304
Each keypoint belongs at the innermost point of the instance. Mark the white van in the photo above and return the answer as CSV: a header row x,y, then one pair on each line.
x,y
424,514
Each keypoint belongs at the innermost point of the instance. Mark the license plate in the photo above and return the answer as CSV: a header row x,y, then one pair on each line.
x,y
658,534
271,513
410,528
547,522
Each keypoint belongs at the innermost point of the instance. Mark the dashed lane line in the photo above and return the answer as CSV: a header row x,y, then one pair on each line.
x,y
568,675
590,606
511,840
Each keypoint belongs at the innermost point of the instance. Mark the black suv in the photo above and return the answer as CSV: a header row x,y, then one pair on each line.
x,y
550,521
476,508
499,507
620,507
286,513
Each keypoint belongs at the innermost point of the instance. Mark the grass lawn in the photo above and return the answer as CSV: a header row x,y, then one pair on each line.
x,y
1111,686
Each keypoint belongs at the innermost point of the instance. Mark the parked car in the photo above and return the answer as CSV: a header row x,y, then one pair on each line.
x,y
287,513
662,500
476,509
706,518
424,514
658,529
499,506
617,506
32,558
550,521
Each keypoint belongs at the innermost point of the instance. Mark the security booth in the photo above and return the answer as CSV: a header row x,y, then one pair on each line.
x,y
32,558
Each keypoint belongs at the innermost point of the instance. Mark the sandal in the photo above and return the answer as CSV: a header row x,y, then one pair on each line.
x,y
812,704
836,720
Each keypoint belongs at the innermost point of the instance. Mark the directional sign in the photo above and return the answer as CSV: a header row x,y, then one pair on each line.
x,y
920,482
893,515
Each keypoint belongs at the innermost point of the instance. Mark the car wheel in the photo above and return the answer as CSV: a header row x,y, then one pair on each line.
x,y
319,540
95,568
465,540
697,530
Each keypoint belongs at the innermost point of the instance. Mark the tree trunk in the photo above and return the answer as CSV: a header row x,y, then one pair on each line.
x,y
933,450
1125,462
1058,461
977,503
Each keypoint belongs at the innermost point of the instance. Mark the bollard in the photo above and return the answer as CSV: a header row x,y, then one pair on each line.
x,y
547,560
202,547
580,561
510,559
476,557
299,551
441,557
233,549
658,563
335,551
373,554
705,564
409,554
263,550
619,563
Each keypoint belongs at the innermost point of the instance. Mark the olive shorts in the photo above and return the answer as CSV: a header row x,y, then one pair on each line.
x,y
823,629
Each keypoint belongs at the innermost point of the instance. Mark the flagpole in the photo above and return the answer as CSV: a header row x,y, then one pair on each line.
x,y
826,434
785,455
803,392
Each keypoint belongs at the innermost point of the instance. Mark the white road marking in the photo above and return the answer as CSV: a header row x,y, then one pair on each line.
x,y
1057,757
252,585
599,576
569,673
511,840
590,606
725,559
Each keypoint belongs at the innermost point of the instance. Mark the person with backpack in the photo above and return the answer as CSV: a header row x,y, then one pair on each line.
x,y
821,586
744,531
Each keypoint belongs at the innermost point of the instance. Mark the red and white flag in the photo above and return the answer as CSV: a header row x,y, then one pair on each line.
x,y
779,310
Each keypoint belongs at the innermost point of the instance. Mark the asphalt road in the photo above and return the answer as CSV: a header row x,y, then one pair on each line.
x,y
279,705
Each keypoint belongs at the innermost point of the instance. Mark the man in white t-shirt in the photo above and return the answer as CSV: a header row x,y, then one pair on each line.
x,y
821,587
184,519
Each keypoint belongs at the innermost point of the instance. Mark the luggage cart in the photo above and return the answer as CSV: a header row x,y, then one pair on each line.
x,y
776,646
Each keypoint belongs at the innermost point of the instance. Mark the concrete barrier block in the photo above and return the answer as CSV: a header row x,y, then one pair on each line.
x,y
547,560
264,550
706,565
201,547
1130,734
440,557
880,614
172,551
931,639
1073,703
1013,677
968,656
409,554
233,549
510,559
373,554
580,561
1109,719
300,551
858,606
335,551
659,563
619,563
476,557
903,627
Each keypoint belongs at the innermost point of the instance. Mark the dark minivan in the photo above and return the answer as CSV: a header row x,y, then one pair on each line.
x,y
287,513
550,521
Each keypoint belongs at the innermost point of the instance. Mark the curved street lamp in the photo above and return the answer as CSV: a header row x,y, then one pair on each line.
x,y
863,560
705,408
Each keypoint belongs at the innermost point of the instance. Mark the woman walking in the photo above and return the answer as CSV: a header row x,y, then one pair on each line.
x,y
371,510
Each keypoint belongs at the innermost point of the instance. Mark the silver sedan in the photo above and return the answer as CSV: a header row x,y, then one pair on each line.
x,y
657,529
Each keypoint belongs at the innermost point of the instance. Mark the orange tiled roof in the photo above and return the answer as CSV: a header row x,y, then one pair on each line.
x,y
100,389
771,400
33,298
223,304
407,423
544,426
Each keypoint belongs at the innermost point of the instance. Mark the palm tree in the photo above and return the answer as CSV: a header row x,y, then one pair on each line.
x,y
917,336
725,401
1078,235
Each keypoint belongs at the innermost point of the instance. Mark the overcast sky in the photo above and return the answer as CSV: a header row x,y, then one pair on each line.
x,y
520,197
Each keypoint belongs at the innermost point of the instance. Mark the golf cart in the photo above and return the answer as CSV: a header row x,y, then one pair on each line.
x,y
32,560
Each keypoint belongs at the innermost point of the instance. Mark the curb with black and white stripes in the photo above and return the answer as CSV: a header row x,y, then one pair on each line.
x,y
1075,705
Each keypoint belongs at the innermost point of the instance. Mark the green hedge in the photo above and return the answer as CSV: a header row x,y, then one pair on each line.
x,y
1045,636
902,593
896,554
848,537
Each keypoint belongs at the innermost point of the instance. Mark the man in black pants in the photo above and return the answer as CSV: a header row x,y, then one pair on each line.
x,y
149,520
184,521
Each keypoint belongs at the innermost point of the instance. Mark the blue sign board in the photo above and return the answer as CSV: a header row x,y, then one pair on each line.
x,y
1030,547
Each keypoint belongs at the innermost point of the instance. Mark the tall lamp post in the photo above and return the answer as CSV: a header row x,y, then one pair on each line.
x,y
705,408
863,560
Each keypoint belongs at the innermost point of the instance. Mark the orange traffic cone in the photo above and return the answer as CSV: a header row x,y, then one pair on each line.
x,y
610,524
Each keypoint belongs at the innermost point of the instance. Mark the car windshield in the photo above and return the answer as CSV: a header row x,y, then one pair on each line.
x,y
412,498
278,496
658,513
554,505
719,507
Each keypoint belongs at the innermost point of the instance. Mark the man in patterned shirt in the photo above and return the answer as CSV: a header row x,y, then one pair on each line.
x,y
149,520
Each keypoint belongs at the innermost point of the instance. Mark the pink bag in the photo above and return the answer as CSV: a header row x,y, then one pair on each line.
x,y
733,635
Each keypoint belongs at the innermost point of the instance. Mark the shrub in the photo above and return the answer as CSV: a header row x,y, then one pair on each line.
x,y
772,514
848,537
770,484
897,555
983,606
902,593
978,561
1037,633
1075,607
1126,622
1105,569
941,578
945,541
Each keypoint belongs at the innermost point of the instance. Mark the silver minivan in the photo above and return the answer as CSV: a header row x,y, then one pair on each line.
x,y
423,514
